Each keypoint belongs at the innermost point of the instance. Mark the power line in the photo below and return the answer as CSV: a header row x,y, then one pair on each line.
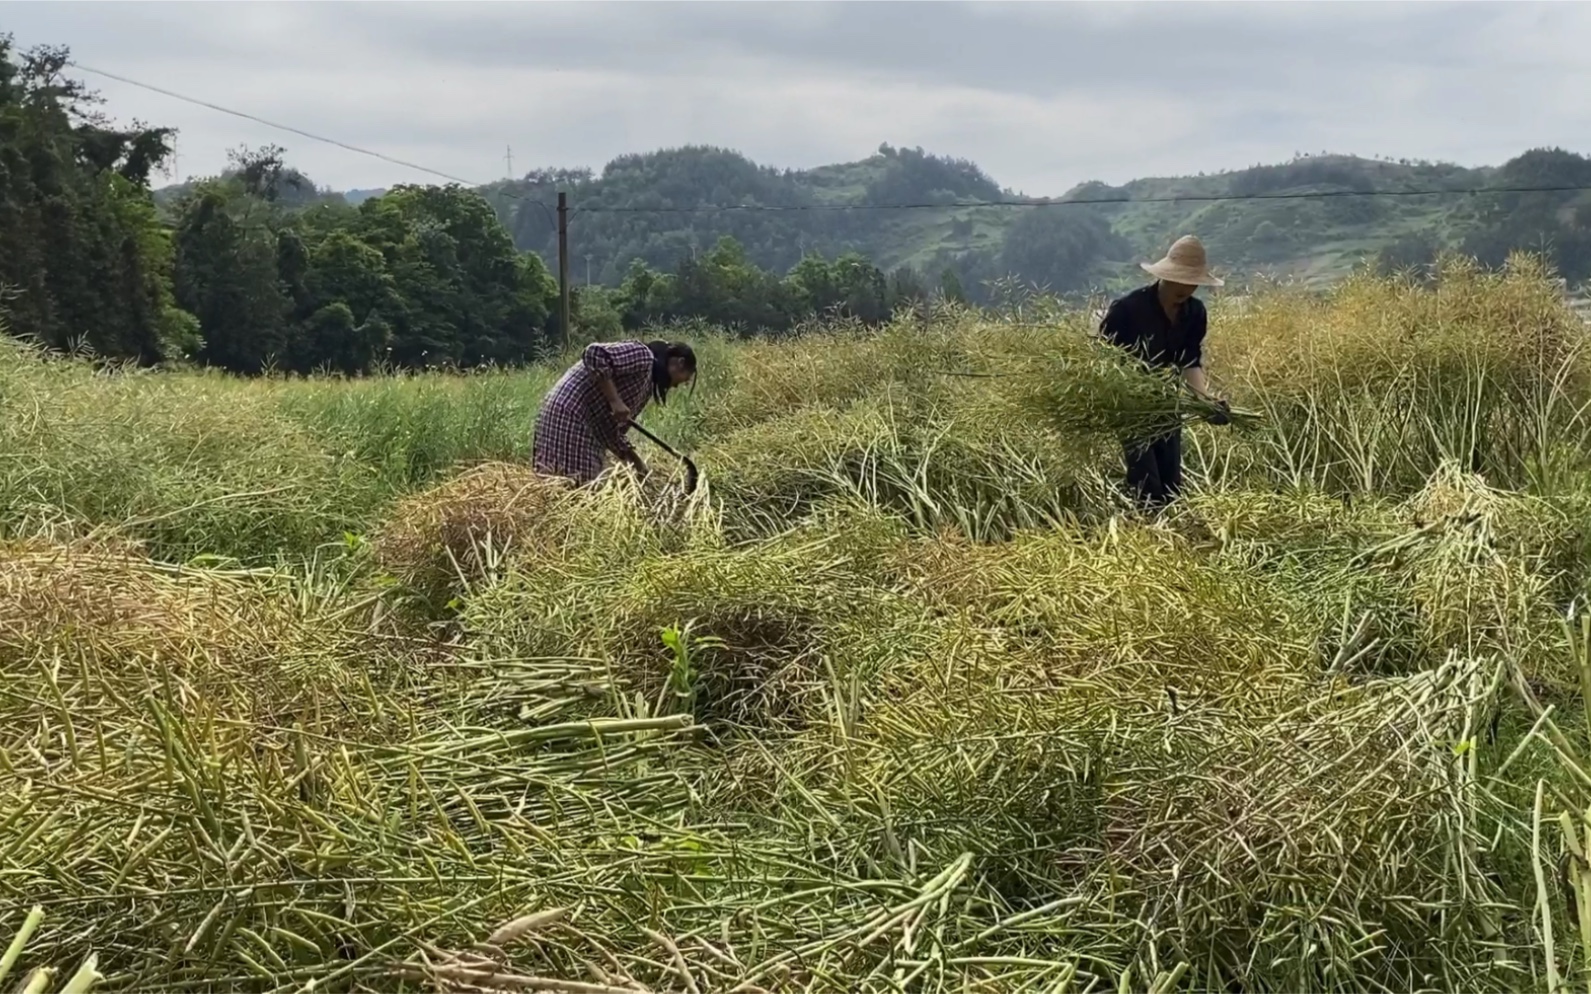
x,y
310,135
270,124
840,208
1178,199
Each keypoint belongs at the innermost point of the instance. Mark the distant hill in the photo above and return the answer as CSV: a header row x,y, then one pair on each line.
x,y
1065,245
906,208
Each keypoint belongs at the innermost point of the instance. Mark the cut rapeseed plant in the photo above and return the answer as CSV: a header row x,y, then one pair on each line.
x,y
901,701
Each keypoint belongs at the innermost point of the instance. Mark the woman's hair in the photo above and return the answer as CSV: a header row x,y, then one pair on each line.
x,y
662,352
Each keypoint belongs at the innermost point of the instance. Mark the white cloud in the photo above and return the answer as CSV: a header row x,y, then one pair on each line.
x,y
1041,95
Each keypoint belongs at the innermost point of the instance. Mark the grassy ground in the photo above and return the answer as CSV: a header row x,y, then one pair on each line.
x,y
314,683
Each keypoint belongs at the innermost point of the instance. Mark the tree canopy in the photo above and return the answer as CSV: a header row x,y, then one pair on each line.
x,y
421,276
84,261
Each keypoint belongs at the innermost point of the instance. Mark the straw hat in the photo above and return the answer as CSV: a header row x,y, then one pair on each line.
x,y
1184,263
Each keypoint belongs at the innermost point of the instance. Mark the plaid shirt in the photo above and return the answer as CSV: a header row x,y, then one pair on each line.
x,y
575,429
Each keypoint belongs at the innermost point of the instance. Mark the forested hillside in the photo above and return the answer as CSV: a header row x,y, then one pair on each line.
x,y
654,208
1315,217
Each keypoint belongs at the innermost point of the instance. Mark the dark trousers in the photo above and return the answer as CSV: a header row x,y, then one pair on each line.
x,y
1154,470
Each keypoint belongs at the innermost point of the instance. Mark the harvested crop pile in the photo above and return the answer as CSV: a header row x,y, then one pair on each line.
x,y
224,641
90,591
1482,570
934,462
460,535
1230,831
323,842
1069,730
1203,836
460,532
762,627
1136,608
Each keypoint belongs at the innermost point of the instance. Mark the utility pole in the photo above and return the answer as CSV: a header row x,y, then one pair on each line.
x,y
563,267
508,159
588,269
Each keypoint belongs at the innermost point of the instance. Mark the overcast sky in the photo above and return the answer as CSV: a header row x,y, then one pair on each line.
x,y
1042,95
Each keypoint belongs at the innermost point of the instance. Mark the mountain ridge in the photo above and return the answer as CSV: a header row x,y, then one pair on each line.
x,y
909,209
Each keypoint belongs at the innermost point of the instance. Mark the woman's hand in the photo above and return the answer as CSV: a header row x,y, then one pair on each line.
x,y
621,415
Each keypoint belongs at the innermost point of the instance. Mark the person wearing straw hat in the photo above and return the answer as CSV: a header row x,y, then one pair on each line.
x,y
1164,325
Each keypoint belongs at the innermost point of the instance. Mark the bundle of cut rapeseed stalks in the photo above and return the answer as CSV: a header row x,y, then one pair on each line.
x,y
1081,385
1088,386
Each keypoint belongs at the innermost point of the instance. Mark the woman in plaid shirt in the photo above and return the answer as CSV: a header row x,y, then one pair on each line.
x,y
587,412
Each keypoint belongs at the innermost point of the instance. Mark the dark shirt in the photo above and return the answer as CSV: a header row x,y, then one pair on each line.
x,y
1139,324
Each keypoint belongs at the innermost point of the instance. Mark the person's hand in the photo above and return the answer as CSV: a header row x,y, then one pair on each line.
x,y
621,416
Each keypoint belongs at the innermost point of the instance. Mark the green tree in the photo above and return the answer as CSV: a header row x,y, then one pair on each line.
x,y
849,286
594,314
644,296
226,275
350,294
724,287
81,247
343,268
816,284
478,300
